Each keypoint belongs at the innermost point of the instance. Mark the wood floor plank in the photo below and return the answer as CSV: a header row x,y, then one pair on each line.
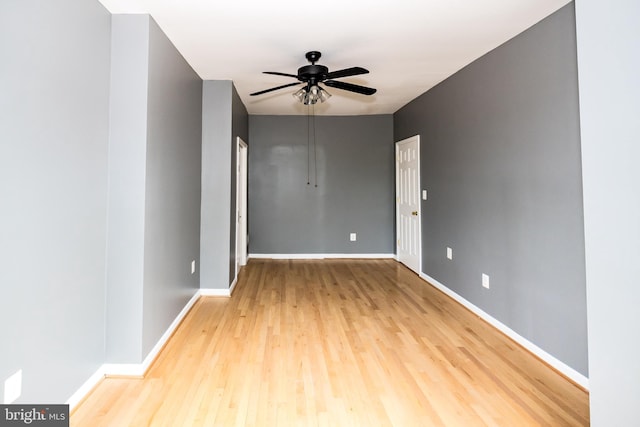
x,y
336,343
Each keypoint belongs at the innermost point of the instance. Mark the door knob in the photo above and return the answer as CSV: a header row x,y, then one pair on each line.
x,y
414,213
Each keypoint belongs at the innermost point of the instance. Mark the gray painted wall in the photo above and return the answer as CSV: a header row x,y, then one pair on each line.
x,y
126,207
500,155
172,186
224,117
609,66
355,192
216,185
54,105
154,187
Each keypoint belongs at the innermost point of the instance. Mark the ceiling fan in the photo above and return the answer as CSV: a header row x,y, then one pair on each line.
x,y
314,74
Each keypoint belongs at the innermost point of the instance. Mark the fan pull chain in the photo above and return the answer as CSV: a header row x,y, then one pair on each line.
x,y
315,158
308,148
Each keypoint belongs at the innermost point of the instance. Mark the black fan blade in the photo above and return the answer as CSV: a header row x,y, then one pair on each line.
x,y
273,88
350,87
353,71
275,73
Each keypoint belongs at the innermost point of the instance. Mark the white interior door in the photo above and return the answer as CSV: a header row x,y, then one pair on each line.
x,y
241,204
409,244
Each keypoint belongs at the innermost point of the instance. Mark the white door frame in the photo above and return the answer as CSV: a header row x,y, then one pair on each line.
x,y
241,203
414,139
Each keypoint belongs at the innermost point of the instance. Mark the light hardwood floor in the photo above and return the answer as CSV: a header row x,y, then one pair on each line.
x,y
336,343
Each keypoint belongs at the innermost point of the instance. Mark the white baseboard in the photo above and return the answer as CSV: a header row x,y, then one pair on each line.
x,y
322,256
86,388
131,369
215,292
233,285
560,366
167,334
124,369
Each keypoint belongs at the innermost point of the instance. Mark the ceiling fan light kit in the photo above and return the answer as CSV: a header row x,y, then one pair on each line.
x,y
311,95
314,74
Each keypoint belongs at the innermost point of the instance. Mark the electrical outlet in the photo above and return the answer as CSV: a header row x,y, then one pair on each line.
x,y
485,281
449,253
352,237
13,388
193,266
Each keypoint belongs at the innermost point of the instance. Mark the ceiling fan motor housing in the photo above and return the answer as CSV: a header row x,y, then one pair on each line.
x,y
312,73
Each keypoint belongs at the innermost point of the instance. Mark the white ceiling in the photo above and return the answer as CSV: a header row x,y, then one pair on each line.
x,y
407,45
